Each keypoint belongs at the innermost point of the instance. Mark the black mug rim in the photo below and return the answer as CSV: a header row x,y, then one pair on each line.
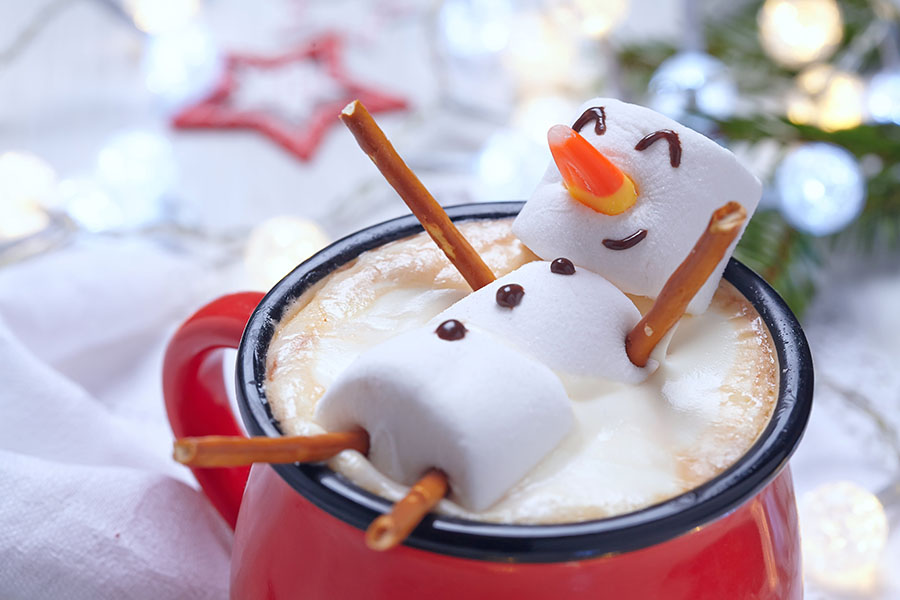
x,y
338,496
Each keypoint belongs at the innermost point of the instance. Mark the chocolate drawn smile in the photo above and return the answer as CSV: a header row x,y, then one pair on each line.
x,y
624,244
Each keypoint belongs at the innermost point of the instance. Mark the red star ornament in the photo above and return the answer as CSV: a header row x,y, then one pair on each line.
x,y
220,110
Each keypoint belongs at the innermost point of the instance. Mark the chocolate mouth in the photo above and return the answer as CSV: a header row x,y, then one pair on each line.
x,y
624,244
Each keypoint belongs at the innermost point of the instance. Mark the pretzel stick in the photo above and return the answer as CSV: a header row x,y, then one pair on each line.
x,y
391,529
684,283
417,197
234,451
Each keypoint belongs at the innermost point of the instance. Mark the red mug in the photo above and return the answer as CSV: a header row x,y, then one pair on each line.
x,y
299,527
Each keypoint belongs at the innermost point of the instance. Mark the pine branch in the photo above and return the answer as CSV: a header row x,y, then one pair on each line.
x,y
878,227
788,259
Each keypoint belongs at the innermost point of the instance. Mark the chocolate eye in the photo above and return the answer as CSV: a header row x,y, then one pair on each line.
x,y
510,296
595,113
562,266
671,137
451,330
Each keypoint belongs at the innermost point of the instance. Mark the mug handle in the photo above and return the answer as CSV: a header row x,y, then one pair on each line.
x,y
195,394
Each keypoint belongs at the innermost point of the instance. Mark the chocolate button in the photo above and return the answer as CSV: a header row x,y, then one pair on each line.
x,y
510,295
451,330
562,266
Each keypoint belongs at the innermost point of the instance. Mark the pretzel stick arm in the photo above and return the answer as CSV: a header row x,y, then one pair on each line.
x,y
683,284
391,529
430,214
233,451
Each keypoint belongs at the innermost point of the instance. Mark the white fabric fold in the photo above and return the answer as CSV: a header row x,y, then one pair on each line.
x,y
93,507
104,532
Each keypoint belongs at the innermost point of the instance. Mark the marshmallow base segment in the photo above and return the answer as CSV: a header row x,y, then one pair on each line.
x,y
674,204
575,324
481,412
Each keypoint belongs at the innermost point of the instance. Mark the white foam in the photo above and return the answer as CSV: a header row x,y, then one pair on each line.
x,y
673,204
480,411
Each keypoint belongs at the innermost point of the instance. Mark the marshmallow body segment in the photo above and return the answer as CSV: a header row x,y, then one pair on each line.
x,y
480,411
575,324
673,206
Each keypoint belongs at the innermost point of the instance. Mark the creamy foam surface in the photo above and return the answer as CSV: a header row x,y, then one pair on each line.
x,y
632,445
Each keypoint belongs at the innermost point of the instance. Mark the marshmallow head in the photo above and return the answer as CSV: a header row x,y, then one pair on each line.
x,y
463,402
573,322
680,176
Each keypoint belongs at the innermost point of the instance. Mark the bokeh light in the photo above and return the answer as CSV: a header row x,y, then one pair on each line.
x,y
510,165
594,18
821,187
795,33
134,174
541,54
844,532
535,116
138,164
278,245
827,98
883,97
693,81
470,28
160,16
89,205
182,65
27,186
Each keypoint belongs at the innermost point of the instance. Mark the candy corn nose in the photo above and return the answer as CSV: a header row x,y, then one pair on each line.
x,y
588,175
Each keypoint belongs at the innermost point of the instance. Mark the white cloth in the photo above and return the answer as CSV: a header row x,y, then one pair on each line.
x,y
92,504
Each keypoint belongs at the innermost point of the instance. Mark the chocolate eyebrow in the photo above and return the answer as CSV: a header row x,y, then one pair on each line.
x,y
595,113
671,137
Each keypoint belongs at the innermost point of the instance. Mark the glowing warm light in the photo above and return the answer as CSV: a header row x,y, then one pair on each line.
x,y
844,531
541,54
535,116
594,18
827,98
27,185
278,245
795,33
158,16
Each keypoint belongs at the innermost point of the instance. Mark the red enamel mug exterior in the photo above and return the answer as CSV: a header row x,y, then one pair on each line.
x,y
299,528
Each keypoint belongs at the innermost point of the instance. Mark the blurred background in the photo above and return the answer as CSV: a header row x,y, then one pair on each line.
x,y
157,153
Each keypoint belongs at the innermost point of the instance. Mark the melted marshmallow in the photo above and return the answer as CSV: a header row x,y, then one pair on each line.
x,y
674,204
479,411
575,324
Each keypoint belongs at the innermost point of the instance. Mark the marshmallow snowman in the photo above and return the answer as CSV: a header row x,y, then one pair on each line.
x,y
674,179
457,400
570,319
473,393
